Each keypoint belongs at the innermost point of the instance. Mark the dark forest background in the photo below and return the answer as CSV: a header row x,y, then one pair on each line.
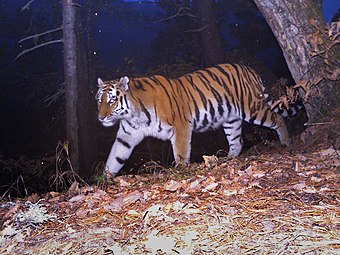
x,y
120,38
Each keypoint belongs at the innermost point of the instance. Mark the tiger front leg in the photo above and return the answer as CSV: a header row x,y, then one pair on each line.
x,y
122,148
181,145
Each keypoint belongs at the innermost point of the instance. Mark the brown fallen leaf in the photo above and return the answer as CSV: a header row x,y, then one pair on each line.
x,y
210,161
33,198
210,186
116,205
133,197
77,198
122,182
172,186
82,212
73,189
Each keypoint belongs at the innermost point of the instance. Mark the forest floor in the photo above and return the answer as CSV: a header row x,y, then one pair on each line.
x,y
270,200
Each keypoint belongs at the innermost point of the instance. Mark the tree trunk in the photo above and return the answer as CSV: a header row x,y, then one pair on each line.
x,y
86,103
290,23
70,73
211,40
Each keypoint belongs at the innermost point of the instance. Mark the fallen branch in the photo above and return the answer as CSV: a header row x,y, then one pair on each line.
x,y
37,47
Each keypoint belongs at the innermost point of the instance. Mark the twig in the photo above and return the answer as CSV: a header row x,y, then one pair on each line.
x,y
316,123
37,47
41,34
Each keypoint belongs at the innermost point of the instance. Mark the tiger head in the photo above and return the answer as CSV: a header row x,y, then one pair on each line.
x,y
112,101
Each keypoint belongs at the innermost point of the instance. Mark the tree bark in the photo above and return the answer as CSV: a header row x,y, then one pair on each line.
x,y
290,23
70,74
211,40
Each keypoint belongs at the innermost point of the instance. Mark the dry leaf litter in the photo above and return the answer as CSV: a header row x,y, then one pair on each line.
x,y
277,202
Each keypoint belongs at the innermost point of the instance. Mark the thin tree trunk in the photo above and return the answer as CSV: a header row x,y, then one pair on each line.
x,y
70,73
290,23
211,40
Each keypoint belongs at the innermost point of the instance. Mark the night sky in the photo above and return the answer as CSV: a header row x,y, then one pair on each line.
x,y
117,38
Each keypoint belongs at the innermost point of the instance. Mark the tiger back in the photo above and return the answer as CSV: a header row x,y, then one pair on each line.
x,y
171,109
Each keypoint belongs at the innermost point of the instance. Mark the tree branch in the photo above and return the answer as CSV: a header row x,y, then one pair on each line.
x,y
183,11
41,34
198,29
27,6
37,47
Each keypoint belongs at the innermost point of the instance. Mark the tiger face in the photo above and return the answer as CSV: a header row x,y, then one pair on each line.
x,y
112,102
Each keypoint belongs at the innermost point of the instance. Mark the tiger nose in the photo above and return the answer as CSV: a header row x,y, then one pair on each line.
x,y
101,117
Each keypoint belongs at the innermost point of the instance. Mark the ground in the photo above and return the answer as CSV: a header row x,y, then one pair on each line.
x,y
270,200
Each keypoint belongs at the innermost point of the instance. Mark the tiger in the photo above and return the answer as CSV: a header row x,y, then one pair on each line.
x,y
171,109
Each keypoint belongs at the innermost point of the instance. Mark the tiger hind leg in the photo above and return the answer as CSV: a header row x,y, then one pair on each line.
x,y
233,132
181,145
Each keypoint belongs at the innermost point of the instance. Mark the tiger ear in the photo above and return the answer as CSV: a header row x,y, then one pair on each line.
x,y
100,82
124,83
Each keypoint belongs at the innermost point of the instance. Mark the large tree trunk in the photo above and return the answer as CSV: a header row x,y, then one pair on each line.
x,y
70,73
290,23
211,40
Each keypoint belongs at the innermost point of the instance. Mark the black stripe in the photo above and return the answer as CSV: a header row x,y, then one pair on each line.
x,y
126,144
264,118
124,130
252,119
130,124
216,95
204,80
146,112
175,98
232,121
139,85
200,93
239,127
236,137
149,83
228,103
211,74
234,83
197,111
160,127
188,95
226,74
191,97
205,121
121,161
126,101
195,125
154,79
212,110
121,102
